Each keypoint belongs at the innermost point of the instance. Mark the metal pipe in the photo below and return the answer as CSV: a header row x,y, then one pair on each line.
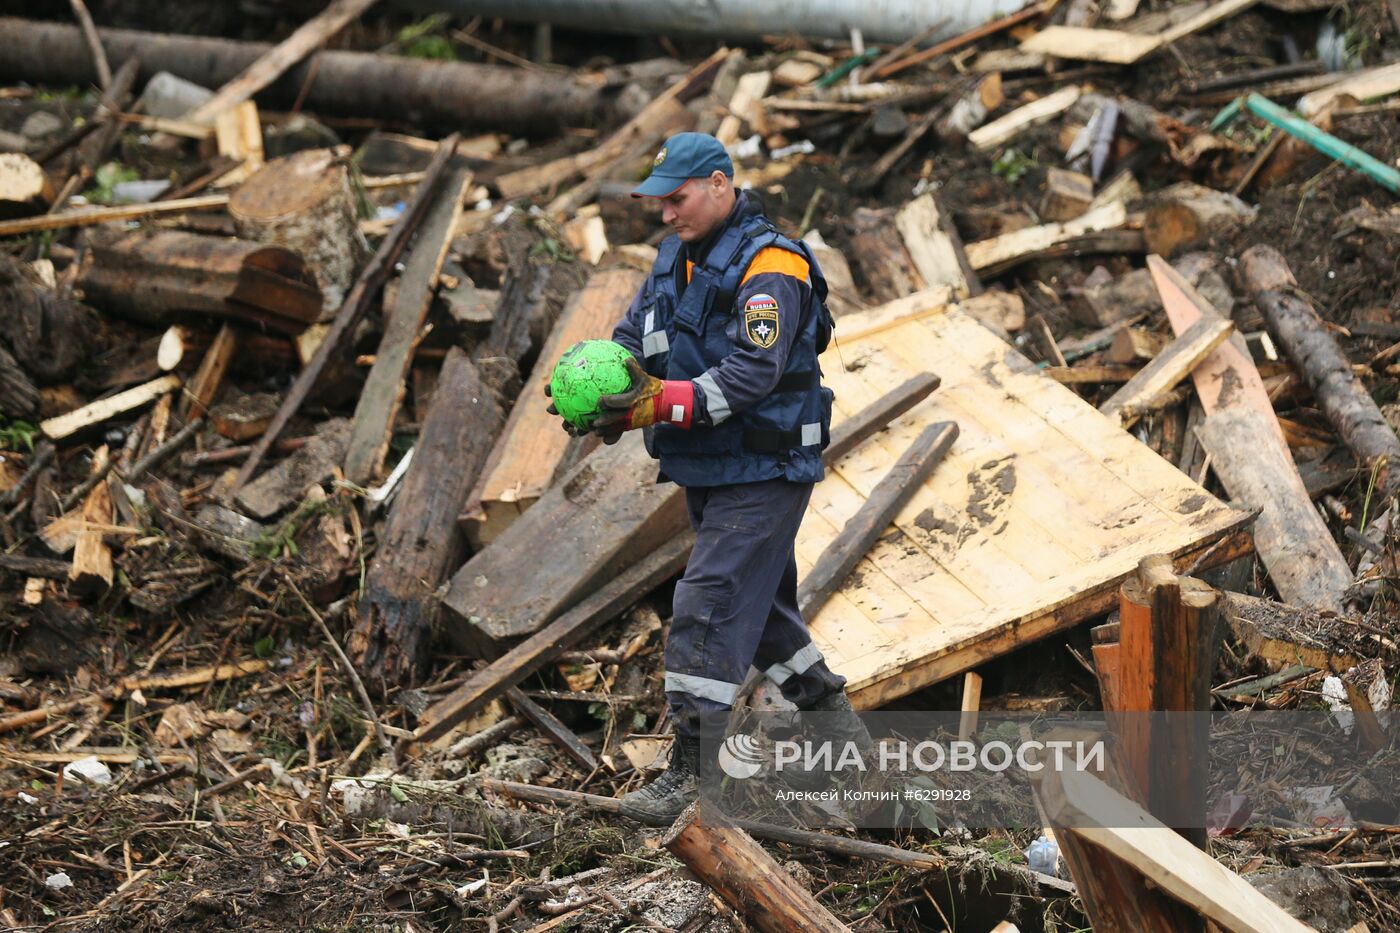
x,y
884,21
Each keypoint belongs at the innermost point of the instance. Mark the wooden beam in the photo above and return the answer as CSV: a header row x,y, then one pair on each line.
x,y
971,703
354,308
382,395
1170,367
66,425
203,388
271,65
1005,128
553,729
937,253
1000,250
727,859
1124,48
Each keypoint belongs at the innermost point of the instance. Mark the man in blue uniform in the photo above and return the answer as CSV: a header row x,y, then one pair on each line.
x,y
725,335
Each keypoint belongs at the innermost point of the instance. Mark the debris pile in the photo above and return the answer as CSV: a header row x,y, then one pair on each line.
x,y
308,608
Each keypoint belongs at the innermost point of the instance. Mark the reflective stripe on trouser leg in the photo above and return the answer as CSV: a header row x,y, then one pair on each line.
x,y
786,652
743,541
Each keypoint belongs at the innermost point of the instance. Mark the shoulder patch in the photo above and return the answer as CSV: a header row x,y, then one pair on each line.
x,y
761,320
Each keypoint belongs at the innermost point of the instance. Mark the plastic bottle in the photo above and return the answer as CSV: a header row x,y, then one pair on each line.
x,y
1044,856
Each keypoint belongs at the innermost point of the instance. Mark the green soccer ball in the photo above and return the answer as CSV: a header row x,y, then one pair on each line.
x,y
585,373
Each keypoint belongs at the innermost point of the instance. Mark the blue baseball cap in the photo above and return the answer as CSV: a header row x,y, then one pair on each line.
x,y
683,157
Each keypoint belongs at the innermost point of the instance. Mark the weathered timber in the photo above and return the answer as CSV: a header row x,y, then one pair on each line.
x,y
874,516
305,203
1186,215
92,570
1067,195
420,544
272,64
553,729
728,860
1017,246
49,336
159,276
935,247
102,410
203,388
1009,126
1288,634
1169,367
285,483
182,348
1292,539
1305,338
1167,646
1133,873
882,261
43,567
354,308
354,84
403,319
19,396
524,461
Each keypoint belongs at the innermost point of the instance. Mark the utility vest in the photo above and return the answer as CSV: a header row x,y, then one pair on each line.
x,y
683,335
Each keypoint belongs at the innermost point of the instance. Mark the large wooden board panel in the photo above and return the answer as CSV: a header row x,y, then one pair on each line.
x,y
1037,513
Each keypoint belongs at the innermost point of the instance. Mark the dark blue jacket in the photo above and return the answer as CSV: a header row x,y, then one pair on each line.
x,y
742,316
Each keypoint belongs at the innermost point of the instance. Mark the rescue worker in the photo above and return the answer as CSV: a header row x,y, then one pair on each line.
x,y
725,335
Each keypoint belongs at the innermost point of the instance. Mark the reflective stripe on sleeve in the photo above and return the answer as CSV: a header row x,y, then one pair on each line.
x,y
715,402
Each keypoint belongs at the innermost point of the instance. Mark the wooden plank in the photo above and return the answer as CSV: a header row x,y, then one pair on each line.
x,y
356,303
748,91
525,459
380,399
1292,635
553,729
204,387
66,425
101,215
971,702
1294,542
1124,48
92,570
1081,806
276,61
1170,366
936,254
985,254
1005,128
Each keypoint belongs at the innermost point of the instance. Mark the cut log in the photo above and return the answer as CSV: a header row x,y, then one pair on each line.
x,y
203,388
589,527
105,409
285,483
935,247
182,348
92,570
420,544
356,304
271,65
1001,251
1187,215
1301,333
403,319
873,518
24,189
156,277
1134,345
525,460
882,261
1292,539
1009,126
1288,634
728,860
354,84
245,416
1170,367
1133,873
1067,195
305,203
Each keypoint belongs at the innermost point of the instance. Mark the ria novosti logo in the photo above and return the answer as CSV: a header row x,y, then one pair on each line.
x,y
740,757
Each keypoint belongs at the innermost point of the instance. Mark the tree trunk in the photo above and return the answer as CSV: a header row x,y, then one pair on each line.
x,y
355,84
420,543
158,277
1186,215
304,202
1307,341
49,336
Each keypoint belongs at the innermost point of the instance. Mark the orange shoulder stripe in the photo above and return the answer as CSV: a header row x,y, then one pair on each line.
x,y
776,259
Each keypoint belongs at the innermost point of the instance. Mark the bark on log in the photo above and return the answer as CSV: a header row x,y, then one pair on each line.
x,y
304,203
19,397
157,277
881,259
416,91
531,301
403,319
1305,338
419,543
24,189
727,859
49,336
1186,215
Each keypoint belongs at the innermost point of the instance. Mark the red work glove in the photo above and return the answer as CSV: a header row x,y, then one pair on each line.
x,y
649,401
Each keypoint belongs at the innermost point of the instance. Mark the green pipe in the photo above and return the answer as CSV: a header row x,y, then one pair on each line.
x,y
846,67
1324,142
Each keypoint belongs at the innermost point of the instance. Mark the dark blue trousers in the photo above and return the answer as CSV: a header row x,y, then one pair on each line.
x,y
736,605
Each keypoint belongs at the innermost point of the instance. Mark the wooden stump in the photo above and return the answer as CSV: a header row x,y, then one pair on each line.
x,y
24,189
728,859
1186,215
305,202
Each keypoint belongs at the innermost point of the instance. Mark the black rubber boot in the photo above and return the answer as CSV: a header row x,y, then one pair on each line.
x,y
661,801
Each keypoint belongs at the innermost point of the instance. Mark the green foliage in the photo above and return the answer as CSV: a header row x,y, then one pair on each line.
x,y
1012,164
16,434
106,180
263,647
275,542
423,39
554,249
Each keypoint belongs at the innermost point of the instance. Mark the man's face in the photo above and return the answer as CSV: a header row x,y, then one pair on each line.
x,y
698,206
